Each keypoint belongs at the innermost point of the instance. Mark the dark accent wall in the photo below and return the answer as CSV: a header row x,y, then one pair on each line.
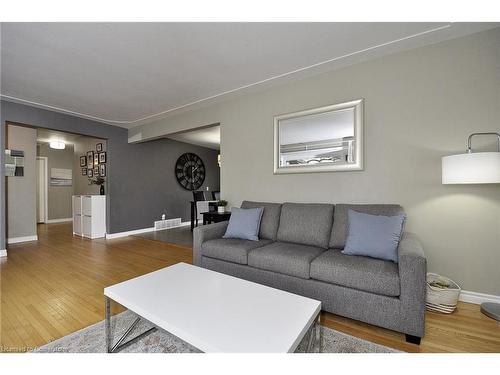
x,y
141,176
151,182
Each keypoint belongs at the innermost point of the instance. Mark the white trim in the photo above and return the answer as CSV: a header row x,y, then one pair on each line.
x,y
52,221
22,239
46,195
477,298
110,236
3,253
132,123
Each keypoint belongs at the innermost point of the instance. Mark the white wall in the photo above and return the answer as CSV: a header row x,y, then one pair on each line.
x,y
59,197
21,190
419,105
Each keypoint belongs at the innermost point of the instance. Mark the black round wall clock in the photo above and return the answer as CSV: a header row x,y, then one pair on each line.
x,y
190,171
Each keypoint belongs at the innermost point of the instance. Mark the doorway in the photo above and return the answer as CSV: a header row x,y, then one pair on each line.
x,y
41,189
46,169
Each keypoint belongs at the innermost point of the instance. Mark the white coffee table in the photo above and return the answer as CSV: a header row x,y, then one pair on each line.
x,y
216,312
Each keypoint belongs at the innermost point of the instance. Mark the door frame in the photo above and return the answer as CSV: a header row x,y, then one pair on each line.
x,y
46,195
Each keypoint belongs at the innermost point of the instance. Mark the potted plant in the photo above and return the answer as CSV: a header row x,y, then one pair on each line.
x,y
99,181
221,206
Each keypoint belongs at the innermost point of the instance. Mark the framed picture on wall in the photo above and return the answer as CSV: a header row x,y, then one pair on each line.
x,y
102,170
98,147
83,161
96,170
102,157
90,159
96,159
90,173
84,171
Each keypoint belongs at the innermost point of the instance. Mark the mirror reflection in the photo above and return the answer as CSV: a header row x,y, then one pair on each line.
x,y
325,138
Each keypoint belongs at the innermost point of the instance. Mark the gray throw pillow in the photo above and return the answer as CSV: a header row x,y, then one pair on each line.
x,y
244,223
374,236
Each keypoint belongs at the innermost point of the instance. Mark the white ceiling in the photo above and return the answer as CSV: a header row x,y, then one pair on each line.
x,y
46,135
128,74
206,137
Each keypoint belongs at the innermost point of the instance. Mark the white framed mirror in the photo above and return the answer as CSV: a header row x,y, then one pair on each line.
x,y
322,139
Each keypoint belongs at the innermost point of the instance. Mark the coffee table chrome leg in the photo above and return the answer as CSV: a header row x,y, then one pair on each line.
x,y
314,335
310,339
108,323
120,340
318,332
110,348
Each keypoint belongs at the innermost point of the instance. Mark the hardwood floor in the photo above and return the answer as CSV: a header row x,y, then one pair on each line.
x,y
53,287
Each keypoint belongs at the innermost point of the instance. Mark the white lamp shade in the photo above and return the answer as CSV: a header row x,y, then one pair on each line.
x,y
472,168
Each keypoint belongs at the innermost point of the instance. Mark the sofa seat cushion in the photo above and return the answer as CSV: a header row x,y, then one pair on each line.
x,y
230,249
284,257
358,272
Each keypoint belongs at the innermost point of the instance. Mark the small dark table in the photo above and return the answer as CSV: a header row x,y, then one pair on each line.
x,y
215,217
194,217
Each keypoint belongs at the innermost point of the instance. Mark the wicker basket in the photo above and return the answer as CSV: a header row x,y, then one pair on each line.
x,y
442,300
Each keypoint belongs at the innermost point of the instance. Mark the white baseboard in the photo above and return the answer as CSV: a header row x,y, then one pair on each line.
x,y
183,224
110,236
3,253
22,239
477,298
53,221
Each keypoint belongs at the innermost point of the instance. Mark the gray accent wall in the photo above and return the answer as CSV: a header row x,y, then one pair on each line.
x,y
59,197
141,176
21,190
419,106
152,183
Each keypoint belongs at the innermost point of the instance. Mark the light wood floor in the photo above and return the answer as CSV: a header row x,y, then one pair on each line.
x,y
53,287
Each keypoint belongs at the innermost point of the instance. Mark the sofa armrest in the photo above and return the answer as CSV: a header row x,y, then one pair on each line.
x,y
205,233
412,273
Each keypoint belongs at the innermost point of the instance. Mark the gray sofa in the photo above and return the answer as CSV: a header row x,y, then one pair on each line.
x,y
300,251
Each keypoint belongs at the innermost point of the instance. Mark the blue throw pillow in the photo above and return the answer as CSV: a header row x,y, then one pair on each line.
x,y
244,223
374,235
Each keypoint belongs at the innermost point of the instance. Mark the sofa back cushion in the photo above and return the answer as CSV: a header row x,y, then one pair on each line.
x,y
340,220
306,223
270,218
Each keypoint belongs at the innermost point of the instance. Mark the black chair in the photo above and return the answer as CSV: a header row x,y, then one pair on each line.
x,y
216,195
197,197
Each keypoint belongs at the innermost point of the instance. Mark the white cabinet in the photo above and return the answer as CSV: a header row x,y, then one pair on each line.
x,y
77,205
77,224
89,215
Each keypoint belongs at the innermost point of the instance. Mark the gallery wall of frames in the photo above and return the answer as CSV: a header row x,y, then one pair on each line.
x,y
93,163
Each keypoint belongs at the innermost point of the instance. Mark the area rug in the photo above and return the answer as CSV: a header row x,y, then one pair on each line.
x,y
92,340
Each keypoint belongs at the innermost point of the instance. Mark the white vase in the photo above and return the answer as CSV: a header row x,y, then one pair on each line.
x,y
221,209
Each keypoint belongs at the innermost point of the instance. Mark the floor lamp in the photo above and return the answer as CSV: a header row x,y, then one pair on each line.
x,y
475,168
